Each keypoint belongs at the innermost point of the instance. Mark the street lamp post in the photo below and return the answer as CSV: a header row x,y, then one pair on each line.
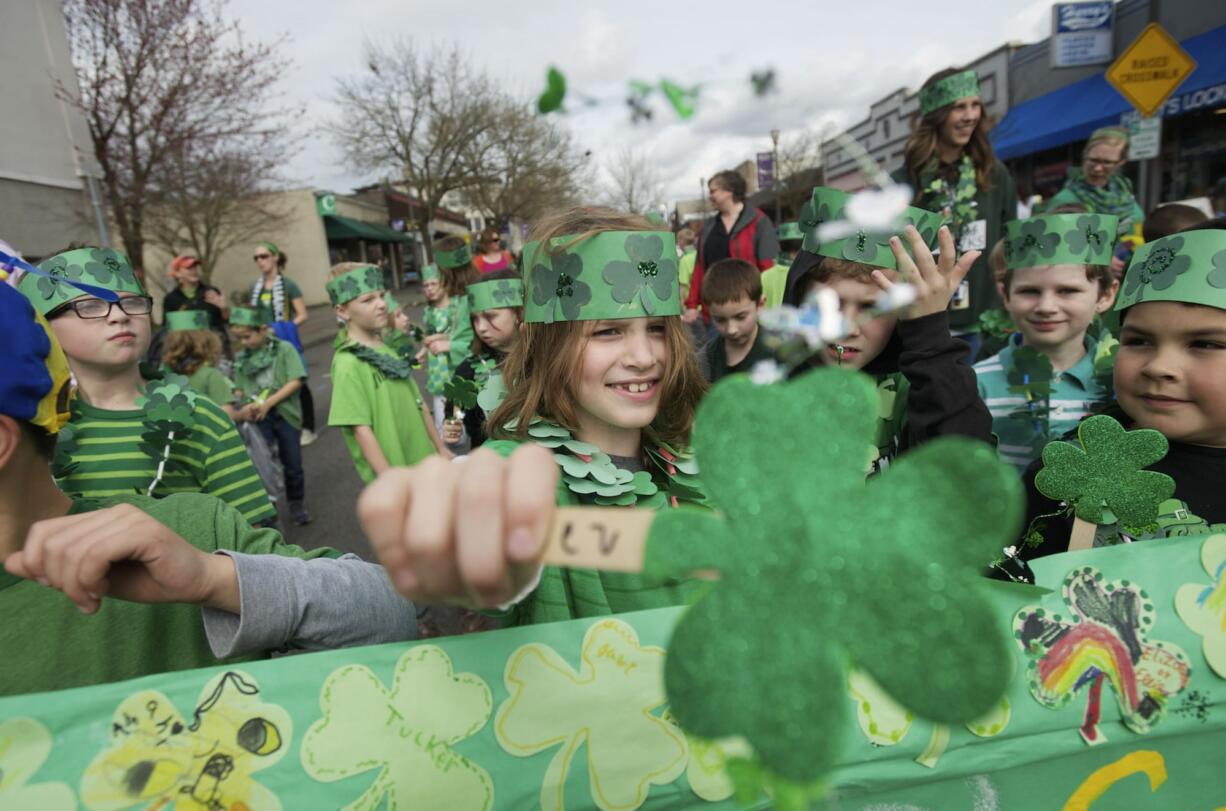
x,y
775,178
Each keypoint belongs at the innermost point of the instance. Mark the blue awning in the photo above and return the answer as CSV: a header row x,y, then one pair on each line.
x,y
1073,112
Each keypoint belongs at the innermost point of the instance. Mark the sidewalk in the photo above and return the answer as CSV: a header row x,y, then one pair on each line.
x,y
320,326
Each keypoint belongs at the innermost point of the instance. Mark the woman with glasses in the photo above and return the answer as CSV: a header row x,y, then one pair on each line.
x,y
490,254
280,301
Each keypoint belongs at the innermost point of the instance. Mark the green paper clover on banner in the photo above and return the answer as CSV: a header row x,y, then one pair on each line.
x,y
559,285
374,278
104,267
860,247
647,270
1106,473
406,733
1035,244
920,533
1203,608
608,706
25,745
346,289
1160,268
505,293
1088,237
59,269
1217,276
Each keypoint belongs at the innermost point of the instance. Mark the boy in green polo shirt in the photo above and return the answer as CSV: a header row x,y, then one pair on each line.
x,y
268,373
133,430
1057,278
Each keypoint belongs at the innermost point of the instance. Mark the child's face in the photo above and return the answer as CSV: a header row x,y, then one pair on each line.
x,y
1170,373
497,328
737,320
115,342
400,320
866,340
188,275
433,288
368,311
247,337
1052,306
623,364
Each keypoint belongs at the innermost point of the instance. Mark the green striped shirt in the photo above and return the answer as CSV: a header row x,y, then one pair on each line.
x,y
211,458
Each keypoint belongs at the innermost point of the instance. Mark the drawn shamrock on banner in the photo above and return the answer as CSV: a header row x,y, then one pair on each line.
x,y
868,539
104,266
1102,476
1034,245
1159,269
165,760
373,278
57,270
1217,276
647,271
504,294
1106,639
1203,608
25,745
607,706
346,289
406,733
1088,236
558,285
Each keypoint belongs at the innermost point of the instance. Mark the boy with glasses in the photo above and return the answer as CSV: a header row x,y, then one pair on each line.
x,y
133,430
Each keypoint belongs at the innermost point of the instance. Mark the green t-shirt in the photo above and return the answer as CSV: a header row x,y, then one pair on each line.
x,y
362,395
286,366
438,367
774,283
212,384
49,644
106,459
685,267
265,303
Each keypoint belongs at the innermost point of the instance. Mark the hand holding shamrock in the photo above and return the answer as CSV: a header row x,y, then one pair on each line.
x,y
935,279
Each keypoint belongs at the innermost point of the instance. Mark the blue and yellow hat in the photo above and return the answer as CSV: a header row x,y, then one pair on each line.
x,y
35,385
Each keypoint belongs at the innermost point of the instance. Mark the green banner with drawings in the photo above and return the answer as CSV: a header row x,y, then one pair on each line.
x,y
1115,703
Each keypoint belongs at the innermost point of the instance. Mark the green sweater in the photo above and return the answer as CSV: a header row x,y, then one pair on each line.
x,y
48,644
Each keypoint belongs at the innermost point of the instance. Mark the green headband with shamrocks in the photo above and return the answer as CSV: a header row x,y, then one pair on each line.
x,y
494,294
948,90
184,320
612,274
430,273
247,317
790,230
458,258
100,267
1189,267
1060,239
828,205
390,300
354,283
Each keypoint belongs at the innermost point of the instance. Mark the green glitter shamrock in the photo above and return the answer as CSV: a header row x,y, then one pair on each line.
x,y
1087,236
559,284
1035,243
1161,267
1104,480
824,543
647,270
860,247
1217,276
59,269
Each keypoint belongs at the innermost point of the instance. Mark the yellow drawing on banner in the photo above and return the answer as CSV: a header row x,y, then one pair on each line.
x,y
607,705
24,747
1203,608
406,733
205,762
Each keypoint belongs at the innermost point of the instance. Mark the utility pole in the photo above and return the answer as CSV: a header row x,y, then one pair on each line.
x,y
775,174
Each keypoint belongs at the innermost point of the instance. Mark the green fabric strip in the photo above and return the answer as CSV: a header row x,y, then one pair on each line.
x,y
948,90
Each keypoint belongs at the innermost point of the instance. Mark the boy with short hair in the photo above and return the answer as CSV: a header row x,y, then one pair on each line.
x,y
732,294
436,321
1057,279
1170,375
268,373
375,401
133,430
88,573
1170,219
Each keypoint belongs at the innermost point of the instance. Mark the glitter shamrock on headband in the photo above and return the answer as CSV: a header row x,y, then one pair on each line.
x,y
884,572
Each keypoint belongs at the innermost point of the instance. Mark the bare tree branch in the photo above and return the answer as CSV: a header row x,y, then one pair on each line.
x,y
633,182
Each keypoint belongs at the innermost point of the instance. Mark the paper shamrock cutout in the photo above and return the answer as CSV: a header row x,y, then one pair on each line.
x,y
406,733
1103,480
558,286
1159,269
1106,639
1031,244
607,706
170,407
1217,276
25,745
493,392
461,391
1203,608
824,544
166,760
555,92
1090,238
647,272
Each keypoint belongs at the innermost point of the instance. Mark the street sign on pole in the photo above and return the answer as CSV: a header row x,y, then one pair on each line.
x,y
1082,34
1150,69
1145,138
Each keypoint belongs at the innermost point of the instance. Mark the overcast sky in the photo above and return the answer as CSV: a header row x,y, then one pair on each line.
x,y
831,59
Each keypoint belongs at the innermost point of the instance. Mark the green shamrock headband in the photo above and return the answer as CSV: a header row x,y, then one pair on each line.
x,y
458,258
790,230
948,90
354,283
247,317
1060,239
185,320
390,300
430,273
101,267
1188,267
494,294
828,205
613,274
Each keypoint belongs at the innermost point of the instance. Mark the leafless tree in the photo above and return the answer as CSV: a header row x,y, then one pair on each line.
x,y
159,78
633,182
798,169
425,113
